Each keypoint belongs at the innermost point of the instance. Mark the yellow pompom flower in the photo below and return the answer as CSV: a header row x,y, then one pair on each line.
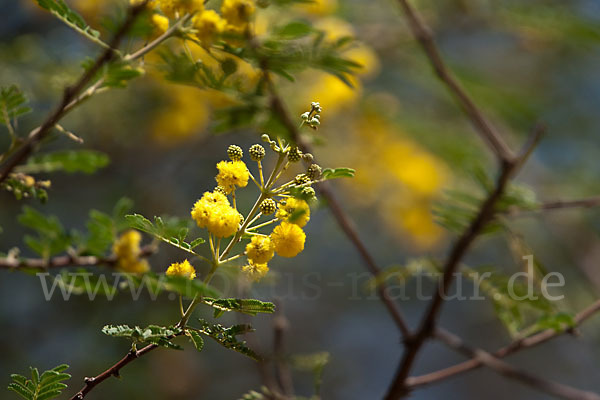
x,y
204,207
255,271
160,23
288,239
294,210
238,12
260,249
182,269
232,174
173,7
127,249
128,245
224,221
208,25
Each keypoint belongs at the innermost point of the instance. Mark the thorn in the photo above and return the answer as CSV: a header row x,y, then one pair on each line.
x,y
89,380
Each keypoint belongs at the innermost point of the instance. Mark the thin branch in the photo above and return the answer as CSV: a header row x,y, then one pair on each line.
x,y
484,128
344,222
14,263
505,369
555,205
513,347
282,371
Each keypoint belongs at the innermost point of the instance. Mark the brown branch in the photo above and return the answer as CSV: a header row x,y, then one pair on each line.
x,y
91,383
428,322
484,128
505,369
555,205
13,263
71,93
282,370
513,347
344,222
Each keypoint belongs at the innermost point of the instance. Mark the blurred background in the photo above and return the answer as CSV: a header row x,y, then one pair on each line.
x,y
523,63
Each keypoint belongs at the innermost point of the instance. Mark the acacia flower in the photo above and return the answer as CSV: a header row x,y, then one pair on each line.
x,y
208,25
255,271
160,24
224,221
237,12
294,210
204,207
232,174
172,7
288,239
127,249
260,249
182,269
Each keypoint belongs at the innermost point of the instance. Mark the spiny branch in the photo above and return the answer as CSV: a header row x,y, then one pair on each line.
x,y
505,369
70,94
13,263
484,128
513,347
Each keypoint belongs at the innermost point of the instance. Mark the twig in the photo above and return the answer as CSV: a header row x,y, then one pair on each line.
x,y
554,205
14,263
505,369
282,370
345,223
69,95
484,128
513,347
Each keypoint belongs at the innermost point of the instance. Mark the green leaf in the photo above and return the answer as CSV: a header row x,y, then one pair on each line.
x,y
196,339
245,306
51,239
558,322
47,386
329,173
226,337
101,228
61,10
188,287
86,161
13,104
117,75
294,30
315,363
160,335
173,231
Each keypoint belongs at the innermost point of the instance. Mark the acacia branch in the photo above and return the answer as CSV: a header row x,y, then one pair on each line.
x,y
343,220
484,128
14,263
555,205
513,347
505,369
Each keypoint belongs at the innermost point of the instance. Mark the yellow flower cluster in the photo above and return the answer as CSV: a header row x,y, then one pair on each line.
x,y
294,210
214,213
255,271
127,249
208,26
260,249
288,239
184,269
238,12
232,174
174,8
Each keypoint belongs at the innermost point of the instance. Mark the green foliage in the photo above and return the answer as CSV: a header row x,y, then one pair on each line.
x,y
159,335
86,161
516,310
402,273
171,230
558,322
245,306
117,75
21,188
196,339
51,239
13,104
226,337
46,386
329,173
62,11
81,281
188,287
314,363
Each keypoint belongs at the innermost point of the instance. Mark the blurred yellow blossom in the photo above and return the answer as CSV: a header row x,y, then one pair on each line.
x,y
255,271
127,250
238,12
184,269
160,23
209,25
319,7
